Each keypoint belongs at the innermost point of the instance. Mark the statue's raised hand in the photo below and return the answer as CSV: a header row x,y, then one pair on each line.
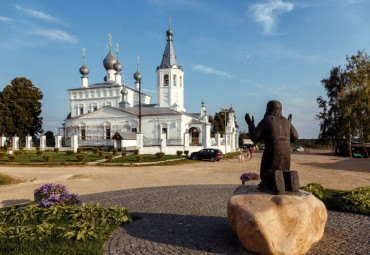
x,y
248,119
290,117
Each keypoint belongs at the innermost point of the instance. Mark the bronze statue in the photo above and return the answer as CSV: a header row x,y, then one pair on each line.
x,y
277,133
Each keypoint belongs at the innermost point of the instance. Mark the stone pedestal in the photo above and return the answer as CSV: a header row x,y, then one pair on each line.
x,y
276,224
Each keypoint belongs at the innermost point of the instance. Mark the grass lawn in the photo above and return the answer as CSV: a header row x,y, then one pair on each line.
x,y
60,157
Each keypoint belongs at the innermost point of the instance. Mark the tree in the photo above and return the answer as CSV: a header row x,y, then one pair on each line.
x,y
345,114
20,108
218,122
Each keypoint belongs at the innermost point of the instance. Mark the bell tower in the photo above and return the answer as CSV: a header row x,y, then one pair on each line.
x,y
170,78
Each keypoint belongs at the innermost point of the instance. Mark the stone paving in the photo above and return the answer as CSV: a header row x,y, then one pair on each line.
x,y
193,220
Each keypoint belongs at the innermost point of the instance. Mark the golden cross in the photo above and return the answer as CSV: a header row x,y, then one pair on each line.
x,y
170,21
110,40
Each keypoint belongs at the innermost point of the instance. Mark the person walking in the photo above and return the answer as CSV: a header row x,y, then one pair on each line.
x,y
251,151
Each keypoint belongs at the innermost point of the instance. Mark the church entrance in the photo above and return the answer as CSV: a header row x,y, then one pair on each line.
x,y
194,136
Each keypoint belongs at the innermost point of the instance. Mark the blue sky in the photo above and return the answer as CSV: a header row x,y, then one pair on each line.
x,y
243,53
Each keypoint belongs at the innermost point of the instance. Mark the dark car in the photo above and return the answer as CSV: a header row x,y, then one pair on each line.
x,y
246,146
262,147
211,154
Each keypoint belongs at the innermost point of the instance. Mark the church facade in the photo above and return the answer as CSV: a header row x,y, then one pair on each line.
x,y
115,115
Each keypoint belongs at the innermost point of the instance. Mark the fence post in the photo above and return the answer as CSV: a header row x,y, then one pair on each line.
x,y
163,142
2,140
74,142
206,135
42,142
139,142
58,141
15,143
28,142
186,141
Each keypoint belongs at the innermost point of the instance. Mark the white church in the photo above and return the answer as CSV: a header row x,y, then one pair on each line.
x,y
111,114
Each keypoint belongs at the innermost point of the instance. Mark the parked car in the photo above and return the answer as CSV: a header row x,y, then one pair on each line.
x,y
246,146
211,154
262,147
298,149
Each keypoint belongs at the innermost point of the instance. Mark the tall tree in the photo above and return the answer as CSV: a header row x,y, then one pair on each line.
x,y
20,108
218,122
345,114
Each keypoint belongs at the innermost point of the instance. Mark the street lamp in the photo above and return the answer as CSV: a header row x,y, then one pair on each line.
x,y
138,77
225,110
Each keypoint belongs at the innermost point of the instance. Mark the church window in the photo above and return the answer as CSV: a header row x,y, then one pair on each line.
x,y
165,80
83,134
164,131
107,133
174,80
134,130
81,109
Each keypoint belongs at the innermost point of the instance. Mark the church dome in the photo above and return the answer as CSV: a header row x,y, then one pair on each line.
x,y
109,60
124,92
169,32
138,76
84,70
117,66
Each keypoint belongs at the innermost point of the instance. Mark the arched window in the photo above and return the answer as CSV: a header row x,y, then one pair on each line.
x,y
165,80
174,80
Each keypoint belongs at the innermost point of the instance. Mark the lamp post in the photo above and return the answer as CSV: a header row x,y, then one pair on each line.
x,y
138,77
225,110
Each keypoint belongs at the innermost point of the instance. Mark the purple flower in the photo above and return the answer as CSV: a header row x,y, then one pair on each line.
x,y
56,195
249,176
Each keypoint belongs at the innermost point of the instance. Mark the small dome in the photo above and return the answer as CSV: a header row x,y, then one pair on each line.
x,y
109,60
124,92
138,76
117,67
169,32
84,70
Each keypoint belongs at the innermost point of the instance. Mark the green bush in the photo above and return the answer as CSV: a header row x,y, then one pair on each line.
x,y
79,150
101,154
139,158
69,153
357,200
38,148
39,153
315,189
11,157
114,151
160,155
5,179
124,154
56,150
179,153
108,157
46,158
186,152
17,153
2,154
136,152
80,157
95,150
21,148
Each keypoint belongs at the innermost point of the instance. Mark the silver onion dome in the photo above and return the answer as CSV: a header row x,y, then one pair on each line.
x,y
109,60
84,70
124,92
117,66
138,76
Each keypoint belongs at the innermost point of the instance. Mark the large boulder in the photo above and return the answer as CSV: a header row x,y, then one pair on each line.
x,y
276,224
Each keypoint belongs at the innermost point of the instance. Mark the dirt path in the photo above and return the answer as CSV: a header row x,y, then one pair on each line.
x,y
332,172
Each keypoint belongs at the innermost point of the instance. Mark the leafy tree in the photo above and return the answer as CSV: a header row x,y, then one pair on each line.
x,y
218,122
50,138
20,108
345,115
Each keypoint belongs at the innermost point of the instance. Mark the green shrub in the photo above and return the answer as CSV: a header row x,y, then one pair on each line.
x,y
80,157
46,158
69,153
315,189
101,154
124,154
108,157
179,153
357,200
186,152
139,158
21,148
39,153
136,152
5,179
2,154
79,150
56,150
114,151
95,150
38,148
11,157
17,153
160,155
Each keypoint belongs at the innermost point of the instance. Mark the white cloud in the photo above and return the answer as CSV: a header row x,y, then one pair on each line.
x,y
210,70
54,34
39,15
267,13
5,19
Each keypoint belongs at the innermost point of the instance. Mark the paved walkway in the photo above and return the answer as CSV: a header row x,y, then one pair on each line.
x,y
192,219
